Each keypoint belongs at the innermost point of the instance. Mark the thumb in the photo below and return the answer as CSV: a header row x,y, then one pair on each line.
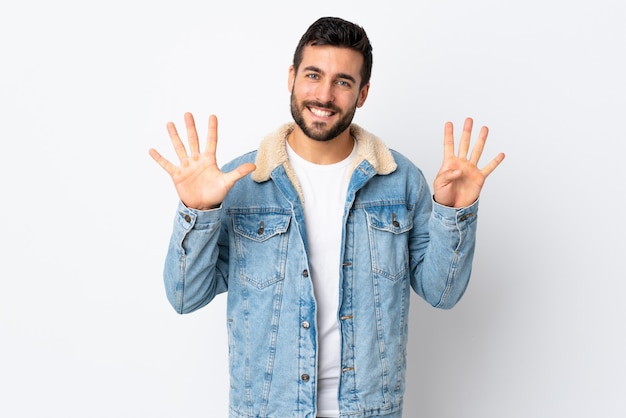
x,y
238,173
446,177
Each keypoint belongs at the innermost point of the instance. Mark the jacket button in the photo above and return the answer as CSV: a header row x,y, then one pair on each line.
x,y
466,217
305,273
305,377
306,325
186,217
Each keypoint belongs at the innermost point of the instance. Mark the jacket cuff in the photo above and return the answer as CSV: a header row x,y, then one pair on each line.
x,y
189,218
456,216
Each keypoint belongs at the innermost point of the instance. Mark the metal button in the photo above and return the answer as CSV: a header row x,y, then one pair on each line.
x,y
305,377
305,273
394,220
465,217
306,325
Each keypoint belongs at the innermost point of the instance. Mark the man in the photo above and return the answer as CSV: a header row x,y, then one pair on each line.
x,y
318,247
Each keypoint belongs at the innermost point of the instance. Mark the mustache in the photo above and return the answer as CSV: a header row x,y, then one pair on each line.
x,y
328,105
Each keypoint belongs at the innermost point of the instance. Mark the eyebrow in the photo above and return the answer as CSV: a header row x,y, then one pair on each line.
x,y
340,75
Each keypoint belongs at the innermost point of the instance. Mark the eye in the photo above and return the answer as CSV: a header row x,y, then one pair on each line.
x,y
313,76
343,83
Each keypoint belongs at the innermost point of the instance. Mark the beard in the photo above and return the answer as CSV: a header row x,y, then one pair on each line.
x,y
320,131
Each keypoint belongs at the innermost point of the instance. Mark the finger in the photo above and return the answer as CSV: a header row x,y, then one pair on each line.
x,y
448,140
444,178
479,146
451,175
211,140
488,169
192,134
179,148
167,166
464,143
243,170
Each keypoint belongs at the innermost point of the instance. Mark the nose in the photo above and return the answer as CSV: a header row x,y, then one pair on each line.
x,y
325,91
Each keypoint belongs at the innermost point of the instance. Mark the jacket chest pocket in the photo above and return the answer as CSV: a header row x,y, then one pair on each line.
x,y
388,229
261,245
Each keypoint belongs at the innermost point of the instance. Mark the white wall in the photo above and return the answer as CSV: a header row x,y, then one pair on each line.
x,y
86,88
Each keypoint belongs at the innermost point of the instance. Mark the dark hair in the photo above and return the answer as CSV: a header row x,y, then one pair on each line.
x,y
337,32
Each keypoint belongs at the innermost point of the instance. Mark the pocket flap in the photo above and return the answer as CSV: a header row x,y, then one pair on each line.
x,y
393,218
260,226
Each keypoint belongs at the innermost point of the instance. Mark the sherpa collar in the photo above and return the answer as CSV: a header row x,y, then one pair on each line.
x,y
273,153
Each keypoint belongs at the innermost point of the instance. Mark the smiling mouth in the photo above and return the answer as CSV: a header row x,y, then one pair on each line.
x,y
321,110
321,113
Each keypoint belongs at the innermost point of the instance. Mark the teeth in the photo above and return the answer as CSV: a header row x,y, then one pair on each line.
x,y
321,113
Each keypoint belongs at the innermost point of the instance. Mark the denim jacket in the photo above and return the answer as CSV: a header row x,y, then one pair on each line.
x,y
255,247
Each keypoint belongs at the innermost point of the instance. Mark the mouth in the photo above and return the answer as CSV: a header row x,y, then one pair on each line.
x,y
320,111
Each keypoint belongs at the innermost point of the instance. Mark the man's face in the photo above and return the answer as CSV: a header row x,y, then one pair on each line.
x,y
325,90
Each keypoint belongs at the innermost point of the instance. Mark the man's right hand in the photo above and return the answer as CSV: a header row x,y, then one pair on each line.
x,y
199,182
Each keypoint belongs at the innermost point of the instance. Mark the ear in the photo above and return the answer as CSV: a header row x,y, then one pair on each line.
x,y
363,95
291,78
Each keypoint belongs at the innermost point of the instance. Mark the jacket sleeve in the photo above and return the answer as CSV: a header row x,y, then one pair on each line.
x,y
441,259
196,263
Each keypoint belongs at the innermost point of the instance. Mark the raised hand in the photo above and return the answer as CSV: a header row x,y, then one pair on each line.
x,y
199,182
459,181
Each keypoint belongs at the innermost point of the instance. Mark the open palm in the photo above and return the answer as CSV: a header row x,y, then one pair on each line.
x,y
199,182
459,180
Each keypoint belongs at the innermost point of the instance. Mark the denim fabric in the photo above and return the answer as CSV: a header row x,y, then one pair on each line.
x,y
255,247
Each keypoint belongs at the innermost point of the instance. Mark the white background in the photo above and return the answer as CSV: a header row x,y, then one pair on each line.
x,y
87,87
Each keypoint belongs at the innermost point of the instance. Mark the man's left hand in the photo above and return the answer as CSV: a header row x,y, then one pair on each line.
x,y
459,181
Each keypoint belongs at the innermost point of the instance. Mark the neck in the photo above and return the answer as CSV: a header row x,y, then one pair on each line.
x,y
321,152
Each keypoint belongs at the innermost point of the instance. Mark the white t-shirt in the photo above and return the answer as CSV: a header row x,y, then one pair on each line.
x,y
324,188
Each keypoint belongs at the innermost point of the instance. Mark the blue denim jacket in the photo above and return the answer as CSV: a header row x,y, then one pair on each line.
x,y
255,247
